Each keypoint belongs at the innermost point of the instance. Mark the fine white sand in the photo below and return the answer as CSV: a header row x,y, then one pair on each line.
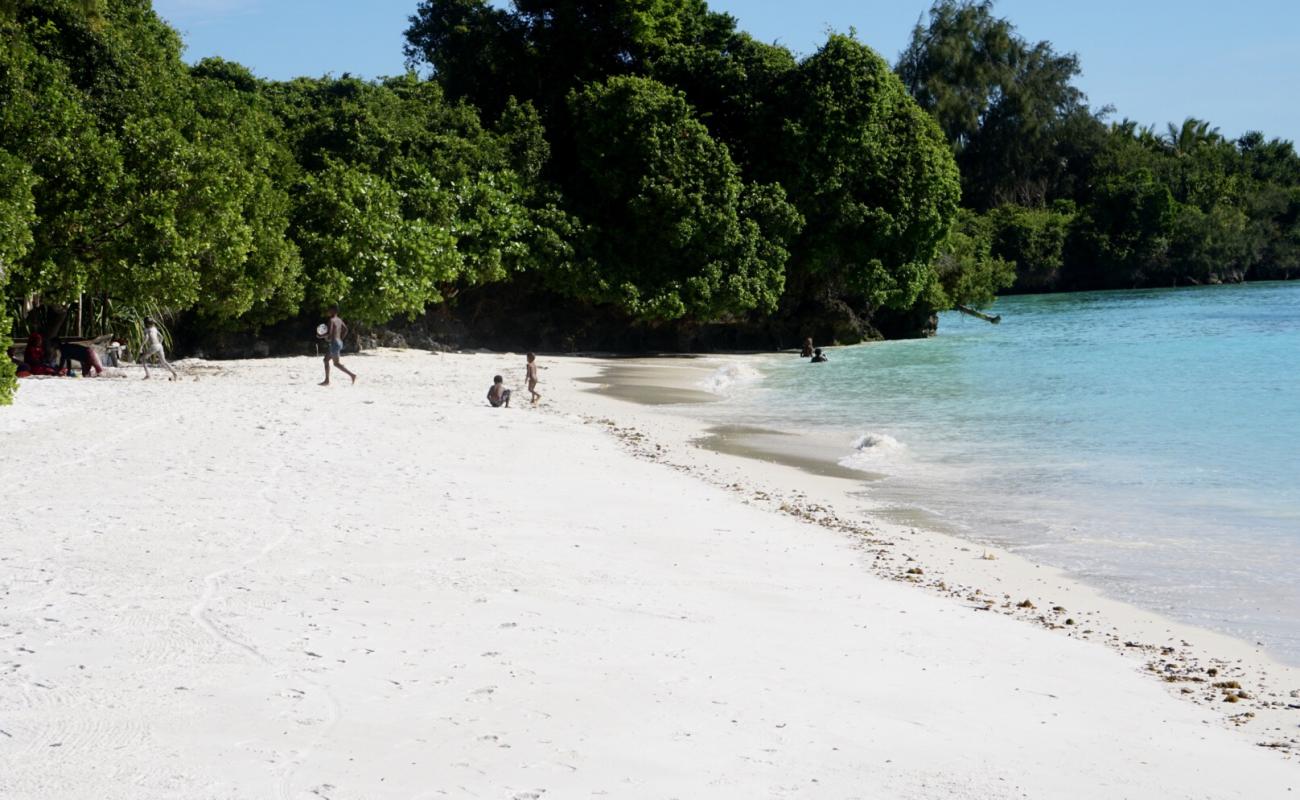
x,y
246,586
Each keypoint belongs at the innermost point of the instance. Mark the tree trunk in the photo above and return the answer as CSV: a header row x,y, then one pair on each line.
x,y
980,315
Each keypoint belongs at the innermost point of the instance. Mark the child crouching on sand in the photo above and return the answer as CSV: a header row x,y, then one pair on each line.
x,y
499,395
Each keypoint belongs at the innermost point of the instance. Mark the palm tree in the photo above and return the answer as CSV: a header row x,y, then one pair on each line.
x,y
1192,134
1144,135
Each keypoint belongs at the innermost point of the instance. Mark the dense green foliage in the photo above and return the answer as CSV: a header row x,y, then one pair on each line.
x,y
400,197
966,271
702,138
17,215
639,162
246,202
669,227
1077,203
869,171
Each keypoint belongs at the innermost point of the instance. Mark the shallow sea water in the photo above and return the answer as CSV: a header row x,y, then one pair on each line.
x,y
1147,441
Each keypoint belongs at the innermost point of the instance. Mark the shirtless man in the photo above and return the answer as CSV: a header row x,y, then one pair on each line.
x,y
153,349
530,375
335,331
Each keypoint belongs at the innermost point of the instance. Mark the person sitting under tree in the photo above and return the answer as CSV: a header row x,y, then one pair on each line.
x,y
85,355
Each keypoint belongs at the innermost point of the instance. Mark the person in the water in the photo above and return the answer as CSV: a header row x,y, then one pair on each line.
x,y
818,357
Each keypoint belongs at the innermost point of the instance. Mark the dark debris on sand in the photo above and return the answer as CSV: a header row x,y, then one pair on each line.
x,y
1213,684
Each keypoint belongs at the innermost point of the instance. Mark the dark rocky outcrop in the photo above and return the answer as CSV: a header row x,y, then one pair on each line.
x,y
498,318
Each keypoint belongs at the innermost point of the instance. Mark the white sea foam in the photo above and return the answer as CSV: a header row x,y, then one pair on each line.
x,y
871,451
730,376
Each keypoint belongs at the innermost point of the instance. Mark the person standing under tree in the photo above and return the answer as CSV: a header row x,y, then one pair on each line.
x,y
335,330
153,348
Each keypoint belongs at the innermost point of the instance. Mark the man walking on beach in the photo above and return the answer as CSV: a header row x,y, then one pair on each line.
x,y
335,330
153,348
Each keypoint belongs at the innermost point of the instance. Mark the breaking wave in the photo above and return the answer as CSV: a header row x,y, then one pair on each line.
x,y
730,376
871,451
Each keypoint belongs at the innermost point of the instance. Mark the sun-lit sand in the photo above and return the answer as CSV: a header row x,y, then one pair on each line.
x,y
246,586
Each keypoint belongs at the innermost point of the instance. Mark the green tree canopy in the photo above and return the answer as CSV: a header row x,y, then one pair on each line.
x,y
435,200
1008,107
540,50
967,273
154,187
670,228
871,174
17,216
738,88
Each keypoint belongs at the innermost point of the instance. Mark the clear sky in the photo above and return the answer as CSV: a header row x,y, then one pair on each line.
x,y
1236,64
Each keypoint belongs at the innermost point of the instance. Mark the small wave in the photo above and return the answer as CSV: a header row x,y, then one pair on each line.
x,y
871,451
730,376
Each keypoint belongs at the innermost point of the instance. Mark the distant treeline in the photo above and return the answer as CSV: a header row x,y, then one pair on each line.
x,y
1077,203
639,162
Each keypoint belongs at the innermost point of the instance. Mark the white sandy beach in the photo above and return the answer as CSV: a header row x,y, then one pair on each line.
x,y
246,586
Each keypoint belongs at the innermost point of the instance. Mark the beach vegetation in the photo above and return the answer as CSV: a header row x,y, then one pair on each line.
x,y
967,272
669,227
871,174
17,215
632,165
1079,202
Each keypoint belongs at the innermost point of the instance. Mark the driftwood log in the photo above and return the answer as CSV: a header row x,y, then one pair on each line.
x,y
994,319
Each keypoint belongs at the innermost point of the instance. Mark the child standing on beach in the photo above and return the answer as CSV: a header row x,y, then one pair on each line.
x,y
153,348
530,375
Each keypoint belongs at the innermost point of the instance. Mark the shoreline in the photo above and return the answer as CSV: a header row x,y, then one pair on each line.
x,y
391,589
1190,659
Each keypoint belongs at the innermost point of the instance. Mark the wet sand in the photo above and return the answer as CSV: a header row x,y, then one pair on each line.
x,y
779,447
662,383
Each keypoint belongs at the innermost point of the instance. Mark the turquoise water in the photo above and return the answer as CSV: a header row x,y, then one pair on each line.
x,y
1147,441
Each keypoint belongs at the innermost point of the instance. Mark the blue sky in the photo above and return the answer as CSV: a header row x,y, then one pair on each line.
x,y
1235,64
